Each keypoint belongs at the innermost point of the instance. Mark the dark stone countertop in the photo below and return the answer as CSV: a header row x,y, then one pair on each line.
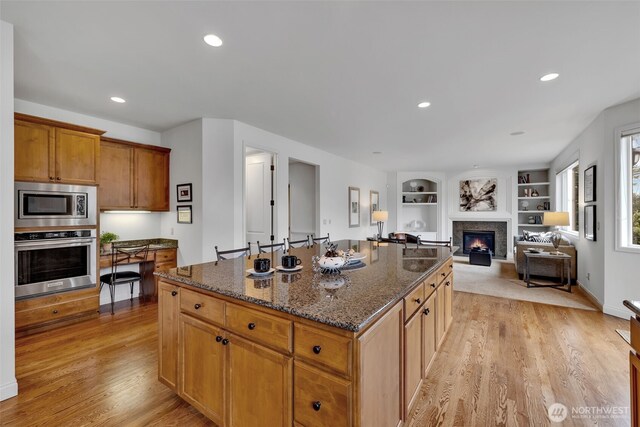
x,y
391,271
633,306
154,244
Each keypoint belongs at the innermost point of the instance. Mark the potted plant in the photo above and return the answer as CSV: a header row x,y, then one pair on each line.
x,y
106,238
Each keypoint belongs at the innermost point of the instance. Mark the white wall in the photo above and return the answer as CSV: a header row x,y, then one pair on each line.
x,y
613,274
302,182
8,384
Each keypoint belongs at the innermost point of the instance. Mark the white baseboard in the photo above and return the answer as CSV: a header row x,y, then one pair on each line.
x,y
8,390
620,312
591,297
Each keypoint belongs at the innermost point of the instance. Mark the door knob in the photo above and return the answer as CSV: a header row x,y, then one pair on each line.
x,y
251,326
225,341
197,306
174,293
316,405
426,311
317,349
218,338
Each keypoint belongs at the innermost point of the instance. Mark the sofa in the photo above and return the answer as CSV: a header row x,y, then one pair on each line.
x,y
542,267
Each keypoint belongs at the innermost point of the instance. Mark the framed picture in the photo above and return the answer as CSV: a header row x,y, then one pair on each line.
x,y
590,184
374,205
354,207
478,195
184,271
590,222
184,193
184,215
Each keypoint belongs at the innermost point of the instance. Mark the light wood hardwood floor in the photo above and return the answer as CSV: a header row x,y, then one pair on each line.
x,y
502,363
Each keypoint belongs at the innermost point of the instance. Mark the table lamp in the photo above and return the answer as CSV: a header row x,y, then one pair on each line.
x,y
556,219
380,217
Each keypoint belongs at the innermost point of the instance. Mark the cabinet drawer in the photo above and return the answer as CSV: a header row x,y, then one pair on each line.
x,y
320,399
165,265
445,270
413,301
164,255
270,330
322,348
430,284
203,306
59,311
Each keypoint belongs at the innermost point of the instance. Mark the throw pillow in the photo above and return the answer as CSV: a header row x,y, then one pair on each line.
x,y
530,236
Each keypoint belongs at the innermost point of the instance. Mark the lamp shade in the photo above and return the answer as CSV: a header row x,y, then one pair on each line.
x,y
380,215
556,218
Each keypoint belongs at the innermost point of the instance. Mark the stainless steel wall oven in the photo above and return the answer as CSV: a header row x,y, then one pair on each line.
x,y
54,261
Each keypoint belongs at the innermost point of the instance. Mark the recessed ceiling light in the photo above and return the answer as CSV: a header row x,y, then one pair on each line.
x,y
424,104
549,77
377,152
516,133
213,40
476,166
118,99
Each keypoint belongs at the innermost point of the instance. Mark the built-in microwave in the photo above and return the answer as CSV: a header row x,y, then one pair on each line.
x,y
53,205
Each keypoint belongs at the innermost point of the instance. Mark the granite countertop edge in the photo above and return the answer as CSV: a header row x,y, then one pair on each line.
x,y
352,327
154,244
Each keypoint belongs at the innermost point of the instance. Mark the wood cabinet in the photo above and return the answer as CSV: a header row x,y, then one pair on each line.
x,y
634,376
52,151
429,344
413,359
133,176
168,312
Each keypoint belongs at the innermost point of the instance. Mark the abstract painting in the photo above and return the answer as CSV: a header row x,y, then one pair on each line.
x,y
478,195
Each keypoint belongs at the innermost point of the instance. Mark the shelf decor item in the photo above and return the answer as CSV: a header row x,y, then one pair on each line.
x,y
590,222
106,239
556,219
525,205
374,205
184,215
354,207
534,193
183,193
590,184
478,195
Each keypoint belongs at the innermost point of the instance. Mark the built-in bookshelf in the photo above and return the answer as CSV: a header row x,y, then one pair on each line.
x,y
418,207
534,199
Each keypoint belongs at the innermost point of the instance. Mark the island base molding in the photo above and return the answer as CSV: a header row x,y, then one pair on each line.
x,y
241,364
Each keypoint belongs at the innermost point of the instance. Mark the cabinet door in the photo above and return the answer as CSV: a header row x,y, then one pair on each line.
x,y
634,376
429,343
413,360
202,367
116,176
77,155
34,152
448,301
151,179
168,311
259,381
439,314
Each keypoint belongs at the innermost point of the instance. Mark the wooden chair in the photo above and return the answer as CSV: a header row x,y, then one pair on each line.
x,y
324,239
421,242
233,253
302,243
263,249
124,254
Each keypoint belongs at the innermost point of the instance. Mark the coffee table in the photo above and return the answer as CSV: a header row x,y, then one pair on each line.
x,y
530,257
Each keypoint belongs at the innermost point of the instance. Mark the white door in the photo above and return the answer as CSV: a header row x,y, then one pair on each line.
x,y
258,198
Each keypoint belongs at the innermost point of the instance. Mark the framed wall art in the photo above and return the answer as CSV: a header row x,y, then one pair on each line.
x,y
354,207
183,192
478,195
374,205
184,215
590,184
590,222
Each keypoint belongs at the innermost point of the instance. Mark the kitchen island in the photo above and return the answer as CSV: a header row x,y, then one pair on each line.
x,y
304,348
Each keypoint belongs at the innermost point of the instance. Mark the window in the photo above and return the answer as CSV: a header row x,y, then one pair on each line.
x,y
567,185
628,206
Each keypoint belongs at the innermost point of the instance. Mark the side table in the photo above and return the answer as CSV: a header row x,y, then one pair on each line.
x,y
566,266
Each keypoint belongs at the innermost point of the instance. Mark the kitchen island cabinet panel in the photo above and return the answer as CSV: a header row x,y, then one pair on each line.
x,y
168,312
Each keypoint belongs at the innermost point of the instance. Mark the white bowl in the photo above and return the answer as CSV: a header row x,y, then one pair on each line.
x,y
333,262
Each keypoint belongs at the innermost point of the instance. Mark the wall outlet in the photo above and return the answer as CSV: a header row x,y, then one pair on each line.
x,y
588,276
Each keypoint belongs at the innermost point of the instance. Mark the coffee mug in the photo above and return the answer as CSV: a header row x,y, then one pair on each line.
x,y
291,261
261,265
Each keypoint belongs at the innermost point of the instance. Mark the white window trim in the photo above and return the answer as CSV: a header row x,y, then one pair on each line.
x,y
560,193
620,213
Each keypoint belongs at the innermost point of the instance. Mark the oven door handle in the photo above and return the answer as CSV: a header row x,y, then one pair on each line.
x,y
57,244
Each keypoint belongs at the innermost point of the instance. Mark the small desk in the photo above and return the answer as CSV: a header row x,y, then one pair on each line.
x,y
566,264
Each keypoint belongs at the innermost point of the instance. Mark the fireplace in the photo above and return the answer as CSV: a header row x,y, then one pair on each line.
x,y
478,240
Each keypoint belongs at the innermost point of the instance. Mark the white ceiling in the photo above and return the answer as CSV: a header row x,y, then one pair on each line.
x,y
342,76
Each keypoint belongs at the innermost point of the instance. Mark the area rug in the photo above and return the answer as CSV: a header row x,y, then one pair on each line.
x,y
501,280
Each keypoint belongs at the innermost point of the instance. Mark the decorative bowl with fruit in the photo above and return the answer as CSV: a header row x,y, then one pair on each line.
x,y
332,260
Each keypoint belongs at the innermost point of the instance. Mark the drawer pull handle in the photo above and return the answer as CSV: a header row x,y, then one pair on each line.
x,y
55,311
197,306
316,405
58,178
417,300
225,341
443,274
426,311
433,285
218,338
317,349
450,265
251,326
174,293
51,178
448,283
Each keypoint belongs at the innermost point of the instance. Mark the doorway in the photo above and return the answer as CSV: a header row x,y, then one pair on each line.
x,y
303,199
259,197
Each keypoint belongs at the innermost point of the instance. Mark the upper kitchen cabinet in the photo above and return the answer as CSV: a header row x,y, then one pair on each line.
x,y
51,151
133,176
